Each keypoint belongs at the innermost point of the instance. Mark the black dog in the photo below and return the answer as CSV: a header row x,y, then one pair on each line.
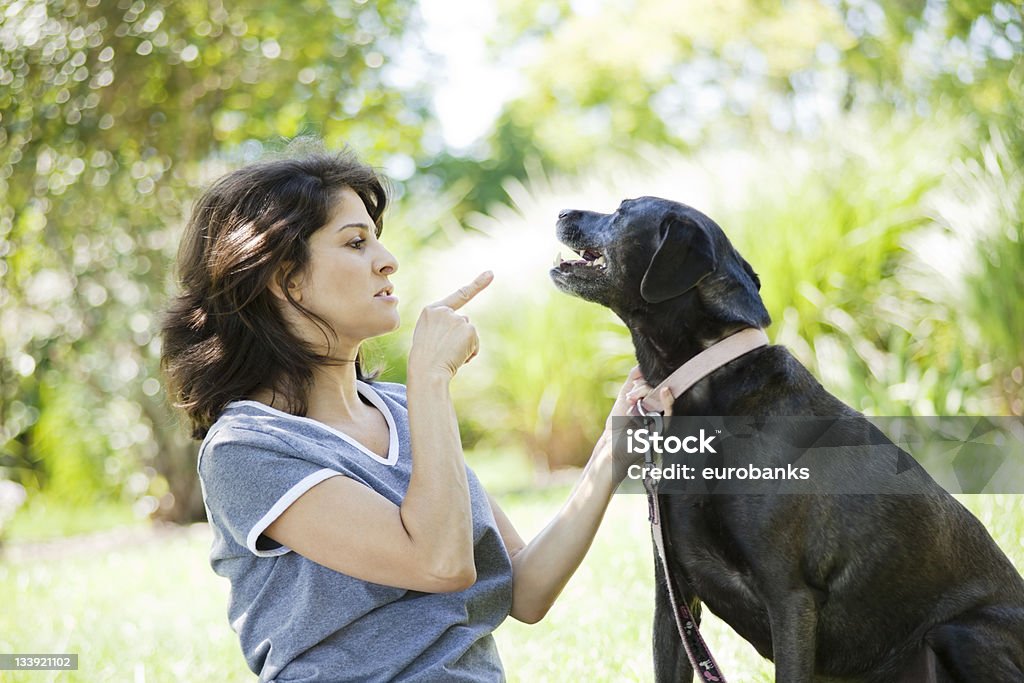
x,y
830,587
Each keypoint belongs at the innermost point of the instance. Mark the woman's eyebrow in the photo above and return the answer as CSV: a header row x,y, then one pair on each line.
x,y
363,226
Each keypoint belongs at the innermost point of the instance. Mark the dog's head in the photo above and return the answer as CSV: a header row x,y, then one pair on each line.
x,y
660,262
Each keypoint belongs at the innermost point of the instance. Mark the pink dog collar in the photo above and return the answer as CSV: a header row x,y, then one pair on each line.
x,y
703,364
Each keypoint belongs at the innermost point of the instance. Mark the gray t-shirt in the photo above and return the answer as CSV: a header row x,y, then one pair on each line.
x,y
300,621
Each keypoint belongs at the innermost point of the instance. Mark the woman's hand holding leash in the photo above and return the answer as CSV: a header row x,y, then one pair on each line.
x,y
633,390
640,390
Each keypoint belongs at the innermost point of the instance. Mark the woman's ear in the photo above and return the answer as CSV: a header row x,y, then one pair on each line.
x,y
285,277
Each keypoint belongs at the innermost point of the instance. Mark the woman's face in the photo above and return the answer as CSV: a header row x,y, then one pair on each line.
x,y
346,280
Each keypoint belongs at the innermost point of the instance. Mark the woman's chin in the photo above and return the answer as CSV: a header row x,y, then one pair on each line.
x,y
388,328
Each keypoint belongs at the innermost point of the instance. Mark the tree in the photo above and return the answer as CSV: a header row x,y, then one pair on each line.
x,y
622,74
112,114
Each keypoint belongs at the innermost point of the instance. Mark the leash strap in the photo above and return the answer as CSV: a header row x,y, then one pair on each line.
x,y
696,649
691,372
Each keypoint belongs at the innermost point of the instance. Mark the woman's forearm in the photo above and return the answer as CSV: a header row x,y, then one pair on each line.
x,y
436,510
542,568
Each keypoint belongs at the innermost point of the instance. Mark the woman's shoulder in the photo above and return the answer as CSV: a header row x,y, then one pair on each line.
x,y
250,424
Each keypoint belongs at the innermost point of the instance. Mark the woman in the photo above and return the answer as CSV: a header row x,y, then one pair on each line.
x,y
358,544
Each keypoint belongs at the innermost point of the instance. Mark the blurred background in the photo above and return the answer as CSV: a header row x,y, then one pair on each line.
x,y
864,156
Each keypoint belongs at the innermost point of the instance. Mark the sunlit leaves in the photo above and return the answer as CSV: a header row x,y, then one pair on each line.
x,y
110,112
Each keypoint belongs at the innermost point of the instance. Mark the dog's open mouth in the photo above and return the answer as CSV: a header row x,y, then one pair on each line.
x,y
591,259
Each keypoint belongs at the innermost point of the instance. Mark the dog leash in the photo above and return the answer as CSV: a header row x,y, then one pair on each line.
x,y
691,372
697,650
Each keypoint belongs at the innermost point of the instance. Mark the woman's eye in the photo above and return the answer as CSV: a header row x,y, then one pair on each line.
x,y
357,244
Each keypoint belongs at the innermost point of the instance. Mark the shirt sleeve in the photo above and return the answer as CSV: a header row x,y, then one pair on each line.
x,y
249,478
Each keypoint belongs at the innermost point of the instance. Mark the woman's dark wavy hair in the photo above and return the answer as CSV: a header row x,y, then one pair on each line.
x,y
224,335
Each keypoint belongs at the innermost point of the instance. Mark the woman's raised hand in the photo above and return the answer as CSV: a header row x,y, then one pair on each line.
x,y
444,340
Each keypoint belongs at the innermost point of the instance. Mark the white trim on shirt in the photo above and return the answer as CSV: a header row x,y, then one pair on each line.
x,y
290,496
371,395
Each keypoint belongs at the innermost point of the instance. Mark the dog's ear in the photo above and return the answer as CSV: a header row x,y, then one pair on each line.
x,y
685,256
752,274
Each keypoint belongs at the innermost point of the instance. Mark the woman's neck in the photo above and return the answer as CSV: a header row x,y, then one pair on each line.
x,y
333,396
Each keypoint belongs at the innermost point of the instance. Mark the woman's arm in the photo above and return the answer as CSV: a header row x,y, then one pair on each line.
x,y
541,568
425,544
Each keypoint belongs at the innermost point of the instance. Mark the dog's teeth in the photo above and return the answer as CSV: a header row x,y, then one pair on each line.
x,y
558,259
600,261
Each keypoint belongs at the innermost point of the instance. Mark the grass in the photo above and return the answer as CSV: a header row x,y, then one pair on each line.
x,y
155,611
151,612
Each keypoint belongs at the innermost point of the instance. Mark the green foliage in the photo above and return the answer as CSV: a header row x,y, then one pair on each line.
x,y
50,517
112,115
993,279
614,75
827,239
890,263
74,462
552,369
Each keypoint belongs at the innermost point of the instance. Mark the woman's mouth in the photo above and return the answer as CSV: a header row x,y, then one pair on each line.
x,y
387,294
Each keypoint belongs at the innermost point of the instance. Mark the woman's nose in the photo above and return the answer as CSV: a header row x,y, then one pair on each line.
x,y
386,262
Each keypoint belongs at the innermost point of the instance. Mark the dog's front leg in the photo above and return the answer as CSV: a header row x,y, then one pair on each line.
x,y
794,620
671,665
